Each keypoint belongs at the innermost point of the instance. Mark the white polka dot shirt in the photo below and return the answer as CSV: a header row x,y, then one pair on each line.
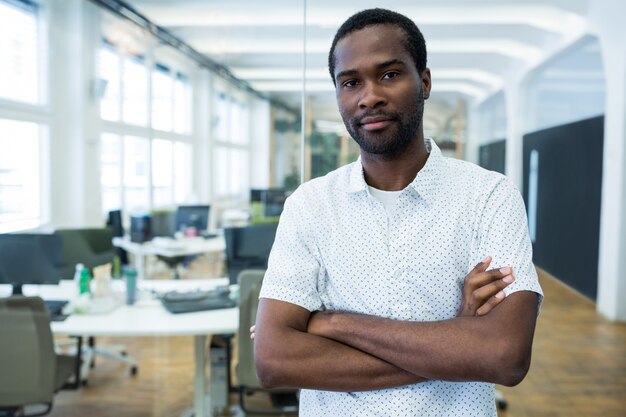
x,y
337,249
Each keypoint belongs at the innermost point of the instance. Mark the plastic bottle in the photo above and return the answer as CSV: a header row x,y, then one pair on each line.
x,y
130,275
84,282
77,274
117,266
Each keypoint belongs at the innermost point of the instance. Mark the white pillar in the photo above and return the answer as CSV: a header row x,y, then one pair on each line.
x,y
606,19
513,97
259,143
472,141
66,111
202,131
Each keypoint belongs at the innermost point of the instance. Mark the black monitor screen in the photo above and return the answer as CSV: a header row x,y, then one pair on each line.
x,y
115,222
30,259
193,216
255,195
274,200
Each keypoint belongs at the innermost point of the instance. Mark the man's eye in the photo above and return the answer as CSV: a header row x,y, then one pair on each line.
x,y
349,83
391,74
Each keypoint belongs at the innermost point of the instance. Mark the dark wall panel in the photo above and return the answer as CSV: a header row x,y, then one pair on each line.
x,y
568,200
492,156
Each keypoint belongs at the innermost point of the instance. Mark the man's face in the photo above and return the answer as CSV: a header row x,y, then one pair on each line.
x,y
379,91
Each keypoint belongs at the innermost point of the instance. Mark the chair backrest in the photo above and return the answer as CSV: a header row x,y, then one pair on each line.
x,y
89,246
248,248
250,281
27,357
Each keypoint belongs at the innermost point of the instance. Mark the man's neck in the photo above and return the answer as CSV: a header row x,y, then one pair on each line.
x,y
394,173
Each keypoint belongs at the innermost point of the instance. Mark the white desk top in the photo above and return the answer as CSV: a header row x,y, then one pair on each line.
x,y
147,317
172,247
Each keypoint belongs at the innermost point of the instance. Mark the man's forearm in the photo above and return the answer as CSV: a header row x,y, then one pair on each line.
x,y
492,348
287,356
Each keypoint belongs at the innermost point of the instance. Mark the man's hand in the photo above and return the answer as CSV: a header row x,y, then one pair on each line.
x,y
482,289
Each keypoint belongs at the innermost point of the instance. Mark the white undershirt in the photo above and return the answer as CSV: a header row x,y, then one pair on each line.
x,y
388,198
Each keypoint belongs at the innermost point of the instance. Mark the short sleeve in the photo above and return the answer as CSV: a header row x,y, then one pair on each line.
x,y
294,267
502,233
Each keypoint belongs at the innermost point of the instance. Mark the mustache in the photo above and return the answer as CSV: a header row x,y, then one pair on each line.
x,y
386,115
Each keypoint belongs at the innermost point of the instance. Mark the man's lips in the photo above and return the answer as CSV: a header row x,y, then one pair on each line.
x,y
375,122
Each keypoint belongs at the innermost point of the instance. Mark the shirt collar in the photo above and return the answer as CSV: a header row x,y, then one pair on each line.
x,y
426,181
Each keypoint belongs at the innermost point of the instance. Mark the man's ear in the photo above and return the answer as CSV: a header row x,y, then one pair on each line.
x,y
426,82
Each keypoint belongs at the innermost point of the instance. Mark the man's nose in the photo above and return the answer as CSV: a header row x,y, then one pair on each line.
x,y
372,96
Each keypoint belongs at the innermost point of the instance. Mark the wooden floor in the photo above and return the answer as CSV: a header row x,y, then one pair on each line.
x,y
578,370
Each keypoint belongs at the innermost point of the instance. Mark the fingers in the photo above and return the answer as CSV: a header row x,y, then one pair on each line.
x,y
491,303
481,266
488,290
476,280
482,289
252,331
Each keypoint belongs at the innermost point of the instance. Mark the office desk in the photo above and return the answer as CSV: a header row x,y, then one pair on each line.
x,y
169,248
149,318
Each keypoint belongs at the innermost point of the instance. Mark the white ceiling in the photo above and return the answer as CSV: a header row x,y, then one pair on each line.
x,y
474,46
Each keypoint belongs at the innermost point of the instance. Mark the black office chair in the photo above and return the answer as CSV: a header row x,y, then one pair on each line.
x,y
31,370
284,400
248,248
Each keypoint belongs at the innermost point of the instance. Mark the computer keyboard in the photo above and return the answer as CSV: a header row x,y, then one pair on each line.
x,y
185,302
55,307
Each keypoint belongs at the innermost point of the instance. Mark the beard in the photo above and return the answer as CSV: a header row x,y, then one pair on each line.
x,y
391,141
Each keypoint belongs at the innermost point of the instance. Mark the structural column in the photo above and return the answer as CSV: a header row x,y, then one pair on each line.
x,y
605,17
74,199
513,96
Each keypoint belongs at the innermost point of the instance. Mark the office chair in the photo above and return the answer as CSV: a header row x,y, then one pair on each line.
x,y
248,248
31,370
91,247
284,400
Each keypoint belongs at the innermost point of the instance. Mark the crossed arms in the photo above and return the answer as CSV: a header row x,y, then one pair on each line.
x,y
338,351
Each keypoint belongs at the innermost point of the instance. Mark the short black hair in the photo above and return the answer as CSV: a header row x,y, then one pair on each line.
x,y
414,41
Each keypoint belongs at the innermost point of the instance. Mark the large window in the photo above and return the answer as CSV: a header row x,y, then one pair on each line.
x,y
147,162
171,100
22,142
110,84
171,172
19,53
20,162
231,131
134,91
124,162
111,171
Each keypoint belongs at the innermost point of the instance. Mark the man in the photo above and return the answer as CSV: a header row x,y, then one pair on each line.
x,y
360,302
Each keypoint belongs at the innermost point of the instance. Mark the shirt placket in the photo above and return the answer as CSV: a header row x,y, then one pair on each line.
x,y
401,308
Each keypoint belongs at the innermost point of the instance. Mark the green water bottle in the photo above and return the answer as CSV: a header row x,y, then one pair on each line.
x,y
85,280
117,267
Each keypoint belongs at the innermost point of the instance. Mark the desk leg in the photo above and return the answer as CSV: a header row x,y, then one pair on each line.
x,y
199,385
140,262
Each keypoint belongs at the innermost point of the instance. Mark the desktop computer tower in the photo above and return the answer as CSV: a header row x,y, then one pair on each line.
x,y
140,228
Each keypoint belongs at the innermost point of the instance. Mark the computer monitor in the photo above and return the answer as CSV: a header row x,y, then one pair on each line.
x,y
193,216
115,223
248,248
272,200
30,259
